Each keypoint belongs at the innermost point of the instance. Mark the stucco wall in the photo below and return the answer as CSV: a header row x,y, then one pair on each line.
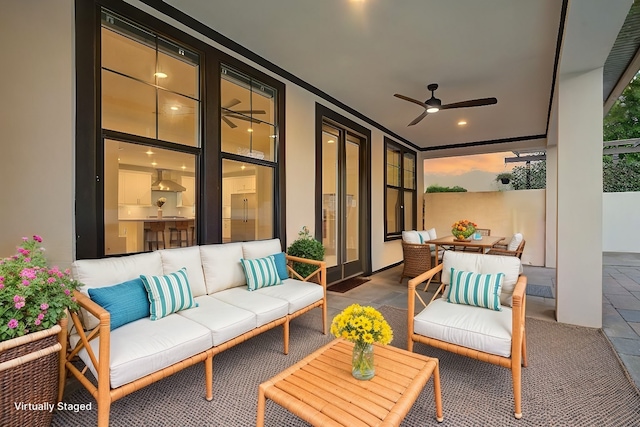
x,y
503,212
620,222
37,121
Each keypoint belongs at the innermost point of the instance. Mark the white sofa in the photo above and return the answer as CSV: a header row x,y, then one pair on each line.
x,y
138,353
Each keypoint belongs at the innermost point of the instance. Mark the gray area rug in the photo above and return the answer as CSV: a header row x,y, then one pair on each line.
x,y
539,291
573,379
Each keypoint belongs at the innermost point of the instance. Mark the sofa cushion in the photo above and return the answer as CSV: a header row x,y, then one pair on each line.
x,y
168,293
281,265
473,327
266,308
480,290
297,293
225,321
125,302
142,347
432,234
175,259
221,266
486,264
260,248
96,273
260,272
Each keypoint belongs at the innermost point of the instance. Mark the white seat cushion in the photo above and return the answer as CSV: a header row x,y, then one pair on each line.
x,y
225,321
432,233
260,248
484,264
515,242
145,346
175,259
265,308
297,293
411,236
473,327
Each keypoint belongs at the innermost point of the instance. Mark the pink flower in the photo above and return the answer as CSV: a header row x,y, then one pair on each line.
x,y
28,273
51,280
19,305
40,316
13,323
44,306
25,239
67,292
23,251
37,322
27,260
25,282
18,298
1,285
37,238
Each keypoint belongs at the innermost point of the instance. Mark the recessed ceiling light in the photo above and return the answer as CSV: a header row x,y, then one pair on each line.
x,y
242,167
249,130
174,107
183,167
331,141
149,152
462,123
272,136
153,163
160,75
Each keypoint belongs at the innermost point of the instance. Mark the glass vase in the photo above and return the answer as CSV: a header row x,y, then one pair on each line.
x,y
362,361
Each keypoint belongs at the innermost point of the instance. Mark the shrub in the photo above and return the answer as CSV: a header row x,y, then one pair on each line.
x,y
440,189
305,246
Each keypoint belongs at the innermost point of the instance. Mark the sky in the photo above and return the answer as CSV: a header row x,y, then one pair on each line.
x,y
475,173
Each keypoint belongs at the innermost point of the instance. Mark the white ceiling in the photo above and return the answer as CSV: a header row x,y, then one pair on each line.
x,y
362,52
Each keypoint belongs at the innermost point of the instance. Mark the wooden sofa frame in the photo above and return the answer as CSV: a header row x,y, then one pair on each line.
x,y
518,336
105,395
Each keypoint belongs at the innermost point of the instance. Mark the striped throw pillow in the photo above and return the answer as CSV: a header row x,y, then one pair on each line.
x,y
168,294
480,290
260,272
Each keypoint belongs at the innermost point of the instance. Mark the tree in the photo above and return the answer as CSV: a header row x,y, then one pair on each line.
x,y
623,119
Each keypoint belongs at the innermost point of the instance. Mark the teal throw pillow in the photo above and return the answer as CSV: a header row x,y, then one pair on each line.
x,y
125,302
281,265
168,294
480,290
260,272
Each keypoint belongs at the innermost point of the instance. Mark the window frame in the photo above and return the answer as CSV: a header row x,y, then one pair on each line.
x,y
89,145
402,188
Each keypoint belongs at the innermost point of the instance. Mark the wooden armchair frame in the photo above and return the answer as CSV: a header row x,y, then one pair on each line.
x,y
518,338
102,391
501,249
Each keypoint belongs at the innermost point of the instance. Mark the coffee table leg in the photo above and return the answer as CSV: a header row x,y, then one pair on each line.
x,y
436,392
261,406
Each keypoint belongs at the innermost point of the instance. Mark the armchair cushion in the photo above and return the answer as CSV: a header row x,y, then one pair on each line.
x,y
411,236
514,242
473,327
479,290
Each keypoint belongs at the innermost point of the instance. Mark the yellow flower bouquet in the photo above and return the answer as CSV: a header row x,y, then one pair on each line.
x,y
363,326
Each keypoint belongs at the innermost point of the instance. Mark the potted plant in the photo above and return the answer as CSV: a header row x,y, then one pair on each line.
x,y
504,177
33,303
463,229
305,246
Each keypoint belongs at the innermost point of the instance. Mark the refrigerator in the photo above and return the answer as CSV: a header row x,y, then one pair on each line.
x,y
243,217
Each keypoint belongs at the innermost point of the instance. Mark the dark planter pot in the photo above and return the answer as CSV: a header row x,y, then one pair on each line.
x,y
504,180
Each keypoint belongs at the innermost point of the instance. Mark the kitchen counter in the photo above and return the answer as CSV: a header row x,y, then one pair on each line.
x,y
155,219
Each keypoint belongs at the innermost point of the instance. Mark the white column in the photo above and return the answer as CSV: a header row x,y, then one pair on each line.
x,y
579,204
551,198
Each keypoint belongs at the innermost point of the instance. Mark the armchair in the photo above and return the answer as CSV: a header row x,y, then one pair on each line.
x,y
515,247
495,335
418,258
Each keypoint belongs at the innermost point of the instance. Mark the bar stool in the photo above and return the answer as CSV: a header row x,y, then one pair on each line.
x,y
154,233
179,233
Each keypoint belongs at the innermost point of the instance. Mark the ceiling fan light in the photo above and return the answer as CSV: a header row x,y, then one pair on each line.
x,y
432,110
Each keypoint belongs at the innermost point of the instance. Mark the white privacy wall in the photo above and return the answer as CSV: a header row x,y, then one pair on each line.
x,y
620,222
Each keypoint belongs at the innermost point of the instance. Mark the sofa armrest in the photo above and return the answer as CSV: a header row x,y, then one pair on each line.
x,y
318,276
103,333
518,318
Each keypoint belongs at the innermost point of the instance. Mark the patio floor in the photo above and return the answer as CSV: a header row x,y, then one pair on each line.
x,y
620,302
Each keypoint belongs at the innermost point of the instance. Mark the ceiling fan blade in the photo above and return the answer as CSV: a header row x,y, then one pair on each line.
x,y
245,118
417,119
233,102
415,101
471,103
249,111
229,122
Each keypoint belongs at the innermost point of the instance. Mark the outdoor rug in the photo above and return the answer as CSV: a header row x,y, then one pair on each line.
x,y
539,291
574,379
347,285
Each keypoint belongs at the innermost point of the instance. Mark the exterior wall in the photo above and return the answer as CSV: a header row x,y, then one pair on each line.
x,y
620,215
38,140
505,213
37,120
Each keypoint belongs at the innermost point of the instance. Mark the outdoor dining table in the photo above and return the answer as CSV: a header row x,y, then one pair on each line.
x,y
483,244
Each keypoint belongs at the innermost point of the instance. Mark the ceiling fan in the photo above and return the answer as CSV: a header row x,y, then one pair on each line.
x,y
433,104
238,114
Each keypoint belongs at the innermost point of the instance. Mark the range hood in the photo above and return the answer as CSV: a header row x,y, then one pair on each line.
x,y
162,184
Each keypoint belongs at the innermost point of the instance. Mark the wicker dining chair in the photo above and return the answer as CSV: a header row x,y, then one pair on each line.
x,y
418,258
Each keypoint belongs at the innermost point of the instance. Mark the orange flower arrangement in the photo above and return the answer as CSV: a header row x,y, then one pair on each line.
x,y
463,229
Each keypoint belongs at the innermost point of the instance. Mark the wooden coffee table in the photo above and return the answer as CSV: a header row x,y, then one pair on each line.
x,y
321,390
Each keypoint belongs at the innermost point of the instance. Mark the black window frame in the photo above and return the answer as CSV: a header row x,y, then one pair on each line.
x,y
388,144
89,148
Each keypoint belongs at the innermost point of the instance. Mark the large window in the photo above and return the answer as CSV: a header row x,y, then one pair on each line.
x,y
400,189
177,143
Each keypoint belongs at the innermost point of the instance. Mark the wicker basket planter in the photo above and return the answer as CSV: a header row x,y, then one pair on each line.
x,y
29,376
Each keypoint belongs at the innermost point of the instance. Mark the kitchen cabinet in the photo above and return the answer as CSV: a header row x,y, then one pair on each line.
x,y
187,198
134,188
